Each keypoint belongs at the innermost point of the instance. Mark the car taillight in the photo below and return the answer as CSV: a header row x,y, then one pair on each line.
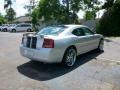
x,y
48,43
24,40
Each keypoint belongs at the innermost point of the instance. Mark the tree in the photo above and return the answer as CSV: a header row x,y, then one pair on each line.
x,y
53,9
91,7
110,21
2,20
30,6
10,14
8,3
90,15
71,8
49,9
65,11
108,4
34,19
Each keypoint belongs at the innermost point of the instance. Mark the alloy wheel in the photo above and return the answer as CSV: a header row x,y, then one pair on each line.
x,y
70,57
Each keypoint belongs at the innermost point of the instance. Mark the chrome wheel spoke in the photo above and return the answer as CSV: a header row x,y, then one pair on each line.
x,y
71,57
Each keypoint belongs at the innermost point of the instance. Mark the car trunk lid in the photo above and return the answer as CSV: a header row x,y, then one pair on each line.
x,y
39,41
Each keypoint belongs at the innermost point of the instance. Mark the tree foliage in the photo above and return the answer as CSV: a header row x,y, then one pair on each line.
x,y
7,4
49,9
10,14
109,23
34,18
2,20
90,15
65,11
108,4
30,6
90,8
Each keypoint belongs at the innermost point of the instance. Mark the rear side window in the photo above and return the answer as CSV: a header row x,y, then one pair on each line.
x,y
87,31
25,25
19,25
78,32
51,30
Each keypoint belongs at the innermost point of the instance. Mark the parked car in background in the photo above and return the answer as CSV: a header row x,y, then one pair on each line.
x,y
21,27
10,26
0,27
4,27
62,43
7,28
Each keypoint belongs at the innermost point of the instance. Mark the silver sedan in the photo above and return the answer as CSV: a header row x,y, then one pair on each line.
x,y
60,44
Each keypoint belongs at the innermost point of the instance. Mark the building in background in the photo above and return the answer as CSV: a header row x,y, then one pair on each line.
x,y
23,19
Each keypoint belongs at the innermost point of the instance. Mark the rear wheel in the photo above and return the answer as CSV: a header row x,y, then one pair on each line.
x,y
69,57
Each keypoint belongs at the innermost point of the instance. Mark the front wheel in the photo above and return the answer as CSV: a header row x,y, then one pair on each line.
x,y
29,30
5,29
101,45
69,57
13,30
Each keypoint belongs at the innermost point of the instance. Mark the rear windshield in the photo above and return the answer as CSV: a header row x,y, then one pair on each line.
x,y
51,30
12,25
4,25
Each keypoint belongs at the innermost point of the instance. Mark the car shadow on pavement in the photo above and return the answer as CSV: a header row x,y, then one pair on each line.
x,y
43,72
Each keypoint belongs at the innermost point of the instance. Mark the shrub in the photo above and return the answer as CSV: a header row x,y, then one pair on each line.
x,y
109,24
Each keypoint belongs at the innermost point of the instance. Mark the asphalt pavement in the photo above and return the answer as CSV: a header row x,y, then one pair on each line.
x,y
92,71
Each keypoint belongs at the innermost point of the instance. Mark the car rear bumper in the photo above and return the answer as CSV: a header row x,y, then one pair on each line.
x,y
46,55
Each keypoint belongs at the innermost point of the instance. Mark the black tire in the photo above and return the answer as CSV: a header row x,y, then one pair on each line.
x,y
69,60
29,30
101,45
36,62
5,29
33,61
13,30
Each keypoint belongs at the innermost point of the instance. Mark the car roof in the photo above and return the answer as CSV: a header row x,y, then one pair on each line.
x,y
68,25
24,23
72,25
5,24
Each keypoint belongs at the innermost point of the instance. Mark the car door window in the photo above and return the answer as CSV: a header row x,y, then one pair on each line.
x,y
23,25
18,25
87,31
78,32
26,25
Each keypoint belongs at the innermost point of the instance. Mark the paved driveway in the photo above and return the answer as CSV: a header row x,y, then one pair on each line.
x,y
91,72
111,49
